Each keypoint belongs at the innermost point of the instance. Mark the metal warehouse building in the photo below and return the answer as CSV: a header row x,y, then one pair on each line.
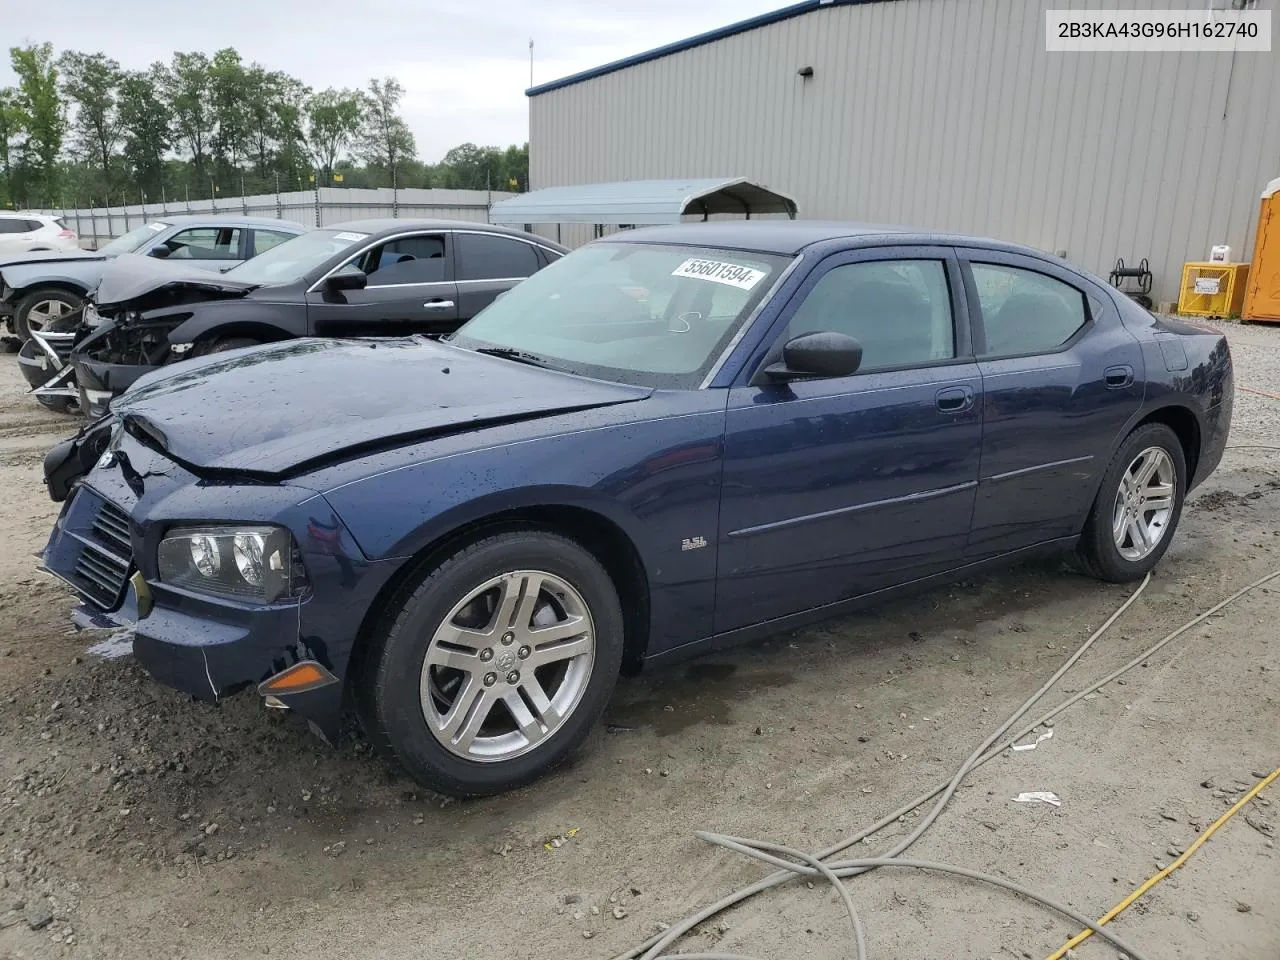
x,y
945,114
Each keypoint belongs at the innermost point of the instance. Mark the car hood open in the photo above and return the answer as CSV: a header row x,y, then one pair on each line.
x,y
130,279
287,408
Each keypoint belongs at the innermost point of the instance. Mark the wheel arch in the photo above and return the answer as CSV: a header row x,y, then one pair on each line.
x,y
197,328
1186,426
61,285
595,532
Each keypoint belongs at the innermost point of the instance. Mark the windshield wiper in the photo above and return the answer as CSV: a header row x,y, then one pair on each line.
x,y
510,353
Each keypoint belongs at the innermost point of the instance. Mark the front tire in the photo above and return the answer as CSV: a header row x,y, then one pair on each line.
x,y
41,307
1137,508
490,668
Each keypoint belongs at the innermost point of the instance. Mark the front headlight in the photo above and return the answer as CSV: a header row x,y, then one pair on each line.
x,y
240,561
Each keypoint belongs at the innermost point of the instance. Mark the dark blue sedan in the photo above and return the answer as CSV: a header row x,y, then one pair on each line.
x,y
672,439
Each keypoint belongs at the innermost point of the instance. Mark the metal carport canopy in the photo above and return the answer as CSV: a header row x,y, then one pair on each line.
x,y
637,202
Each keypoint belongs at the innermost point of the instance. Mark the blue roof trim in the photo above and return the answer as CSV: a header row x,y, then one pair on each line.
x,y
711,36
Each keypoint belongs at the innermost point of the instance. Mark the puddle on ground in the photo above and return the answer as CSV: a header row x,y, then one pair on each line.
x,y
117,644
700,693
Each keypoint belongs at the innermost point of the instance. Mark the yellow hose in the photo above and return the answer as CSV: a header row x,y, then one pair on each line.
x,y
1128,901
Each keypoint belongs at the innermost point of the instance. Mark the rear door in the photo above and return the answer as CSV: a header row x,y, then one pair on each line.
x,y
263,239
837,487
14,234
489,264
1060,378
410,290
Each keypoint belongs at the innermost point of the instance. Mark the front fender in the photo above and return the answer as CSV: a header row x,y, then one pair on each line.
x,y
658,481
31,277
241,318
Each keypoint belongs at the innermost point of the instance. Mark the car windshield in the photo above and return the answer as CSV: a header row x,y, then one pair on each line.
x,y
640,313
294,259
135,239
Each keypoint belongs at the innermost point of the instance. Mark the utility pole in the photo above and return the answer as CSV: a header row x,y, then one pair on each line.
x,y
531,61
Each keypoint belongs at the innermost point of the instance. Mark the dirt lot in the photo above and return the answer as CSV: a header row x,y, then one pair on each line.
x,y
137,824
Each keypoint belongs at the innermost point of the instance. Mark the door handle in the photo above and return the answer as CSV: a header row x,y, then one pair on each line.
x,y
954,399
438,305
1118,377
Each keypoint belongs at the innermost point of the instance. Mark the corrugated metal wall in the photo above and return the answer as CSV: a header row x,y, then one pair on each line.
x,y
947,114
324,207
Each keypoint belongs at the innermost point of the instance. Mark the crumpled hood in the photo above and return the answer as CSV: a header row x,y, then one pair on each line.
x,y
44,256
131,276
285,408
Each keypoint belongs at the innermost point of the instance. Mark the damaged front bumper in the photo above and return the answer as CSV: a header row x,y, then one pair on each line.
x,y
104,545
99,380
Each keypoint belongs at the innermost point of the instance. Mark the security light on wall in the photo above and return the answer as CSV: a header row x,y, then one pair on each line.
x,y
805,72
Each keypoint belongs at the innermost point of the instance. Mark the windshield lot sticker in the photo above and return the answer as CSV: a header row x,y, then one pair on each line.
x,y
157,227
717,271
352,237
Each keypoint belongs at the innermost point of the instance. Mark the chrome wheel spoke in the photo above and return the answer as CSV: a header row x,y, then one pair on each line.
x,y
452,635
542,704
559,651
468,661
1147,470
529,724
1153,504
470,708
1138,534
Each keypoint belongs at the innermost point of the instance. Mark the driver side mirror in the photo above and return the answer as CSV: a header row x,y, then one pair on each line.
x,y
347,277
160,251
812,355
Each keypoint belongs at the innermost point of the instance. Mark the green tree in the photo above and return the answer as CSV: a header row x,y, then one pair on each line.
x,y
91,81
385,139
144,122
515,168
232,111
186,90
40,118
469,167
9,129
333,121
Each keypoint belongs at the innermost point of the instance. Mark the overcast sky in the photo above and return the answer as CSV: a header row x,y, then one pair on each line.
x,y
464,63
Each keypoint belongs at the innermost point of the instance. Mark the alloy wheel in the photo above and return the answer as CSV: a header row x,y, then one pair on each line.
x,y
508,665
1144,503
43,312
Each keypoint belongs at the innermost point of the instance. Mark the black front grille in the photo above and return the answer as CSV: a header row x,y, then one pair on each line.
x,y
101,565
111,528
101,576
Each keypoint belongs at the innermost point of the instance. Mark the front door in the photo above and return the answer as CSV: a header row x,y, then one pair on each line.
x,y
837,487
410,290
1060,378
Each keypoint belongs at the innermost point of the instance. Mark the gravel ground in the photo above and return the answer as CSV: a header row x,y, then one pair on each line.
x,y
137,824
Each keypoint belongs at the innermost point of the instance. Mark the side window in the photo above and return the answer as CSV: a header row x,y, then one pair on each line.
x,y
483,256
898,310
34,225
205,243
408,260
1024,311
12,225
264,240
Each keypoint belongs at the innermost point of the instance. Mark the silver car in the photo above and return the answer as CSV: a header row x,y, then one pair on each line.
x,y
36,288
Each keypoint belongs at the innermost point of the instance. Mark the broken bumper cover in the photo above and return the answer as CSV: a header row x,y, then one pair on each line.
x,y
104,546
100,380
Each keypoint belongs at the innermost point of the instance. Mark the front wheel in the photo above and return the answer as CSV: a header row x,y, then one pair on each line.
x,y
489,669
40,308
1137,507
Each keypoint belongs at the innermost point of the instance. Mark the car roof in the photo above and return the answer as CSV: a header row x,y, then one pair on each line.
x,y
25,215
227,220
394,225
790,237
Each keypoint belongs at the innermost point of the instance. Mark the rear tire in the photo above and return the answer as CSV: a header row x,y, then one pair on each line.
x,y
1136,511
465,684
41,306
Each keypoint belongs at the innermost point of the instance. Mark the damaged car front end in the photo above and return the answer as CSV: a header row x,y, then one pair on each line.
x,y
126,329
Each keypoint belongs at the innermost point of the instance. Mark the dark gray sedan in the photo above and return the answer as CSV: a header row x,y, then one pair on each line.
x,y
36,288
